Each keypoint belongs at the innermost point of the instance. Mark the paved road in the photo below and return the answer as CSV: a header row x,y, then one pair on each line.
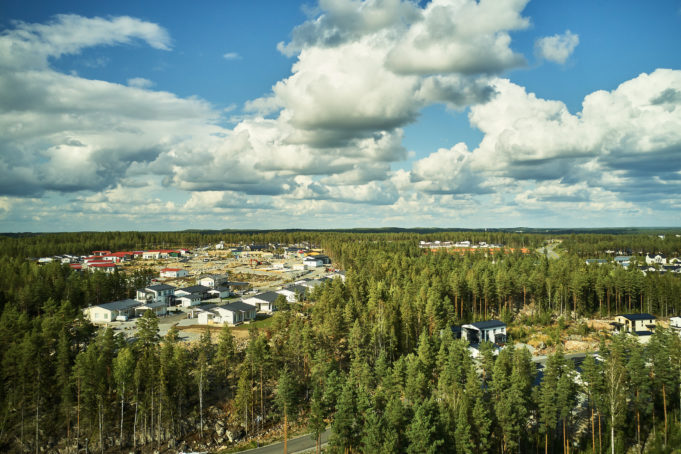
x,y
298,444
573,356
550,252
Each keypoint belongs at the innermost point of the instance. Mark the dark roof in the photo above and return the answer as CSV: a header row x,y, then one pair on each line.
x,y
639,316
119,305
195,289
643,333
238,306
487,324
237,284
297,288
270,297
160,287
221,288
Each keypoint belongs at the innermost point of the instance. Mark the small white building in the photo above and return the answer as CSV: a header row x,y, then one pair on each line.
x,y
212,280
188,300
219,292
264,302
232,314
107,312
158,307
675,325
312,262
293,293
174,272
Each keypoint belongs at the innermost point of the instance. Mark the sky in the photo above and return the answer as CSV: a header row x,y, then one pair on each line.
x,y
174,115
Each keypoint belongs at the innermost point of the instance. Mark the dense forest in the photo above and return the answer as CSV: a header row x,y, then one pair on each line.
x,y
372,357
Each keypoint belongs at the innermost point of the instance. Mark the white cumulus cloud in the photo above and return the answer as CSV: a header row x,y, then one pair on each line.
x,y
557,48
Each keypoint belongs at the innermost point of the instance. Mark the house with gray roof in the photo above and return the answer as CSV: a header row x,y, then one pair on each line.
x,y
232,314
486,331
264,302
108,312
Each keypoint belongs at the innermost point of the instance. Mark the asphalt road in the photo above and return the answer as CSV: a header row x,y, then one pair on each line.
x,y
298,444
549,250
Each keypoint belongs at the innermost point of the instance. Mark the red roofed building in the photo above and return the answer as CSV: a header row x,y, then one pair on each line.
x,y
105,266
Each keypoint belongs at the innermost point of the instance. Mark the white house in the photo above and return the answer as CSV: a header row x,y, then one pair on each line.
x,y
489,330
312,262
200,290
219,292
633,323
675,325
158,293
293,293
212,280
188,300
232,314
263,302
107,312
658,259
174,272
159,307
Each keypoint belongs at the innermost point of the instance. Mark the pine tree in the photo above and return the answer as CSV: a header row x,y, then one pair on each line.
x,y
615,383
203,370
225,354
345,425
316,423
638,386
422,431
123,370
285,399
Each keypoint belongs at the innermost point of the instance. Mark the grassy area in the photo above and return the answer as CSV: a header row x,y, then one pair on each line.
x,y
262,321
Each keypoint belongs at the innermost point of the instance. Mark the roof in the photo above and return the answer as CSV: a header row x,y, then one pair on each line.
x,y
238,306
638,316
159,287
487,324
297,288
189,296
171,269
270,297
119,305
195,289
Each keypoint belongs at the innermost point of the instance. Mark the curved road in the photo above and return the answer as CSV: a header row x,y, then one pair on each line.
x,y
298,444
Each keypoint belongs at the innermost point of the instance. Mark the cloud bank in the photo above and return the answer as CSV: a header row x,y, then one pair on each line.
x,y
327,141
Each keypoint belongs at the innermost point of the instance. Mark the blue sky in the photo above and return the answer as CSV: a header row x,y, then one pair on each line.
x,y
339,113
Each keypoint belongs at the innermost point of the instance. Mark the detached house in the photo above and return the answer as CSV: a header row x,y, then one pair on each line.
x,y
232,314
634,323
212,280
108,312
174,272
160,293
264,302
489,330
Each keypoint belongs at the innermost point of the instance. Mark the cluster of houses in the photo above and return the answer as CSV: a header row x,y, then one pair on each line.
x,y
656,263
107,261
458,244
159,297
210,287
